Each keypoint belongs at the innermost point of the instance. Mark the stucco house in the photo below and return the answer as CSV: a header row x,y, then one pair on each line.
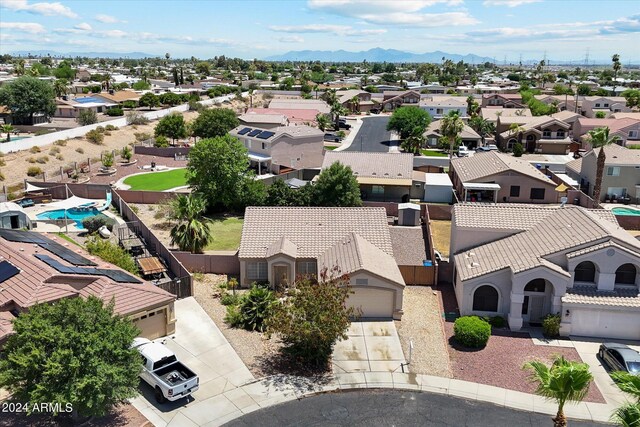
x,y
263,121
364,105
492,113
468,136
499,177
621,175
393,99
540,134
281,243
525,262
440,106
626,129
383,177
300,104
38,269
504,100
608,105
284,147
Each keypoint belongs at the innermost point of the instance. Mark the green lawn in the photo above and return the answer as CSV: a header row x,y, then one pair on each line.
x,y
157,181
433,153
226,232
329,148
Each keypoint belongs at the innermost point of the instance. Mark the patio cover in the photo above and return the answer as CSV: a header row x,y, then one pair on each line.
x,y
32,188
480,186
72,202
259,157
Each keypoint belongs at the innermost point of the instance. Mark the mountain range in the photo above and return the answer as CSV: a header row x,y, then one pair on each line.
x,y
375,55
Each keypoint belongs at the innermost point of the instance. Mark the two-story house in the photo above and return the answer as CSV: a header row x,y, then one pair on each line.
x,y
284,147
525,262
621,177
346,99
393,99
540,134
440,106
608,105
504,100
626,129
492,113
499,177
280,244
468,136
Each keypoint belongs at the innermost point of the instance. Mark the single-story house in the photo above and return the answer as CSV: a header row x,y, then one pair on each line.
x,y
281,243
526,262
73,107
383,177
264,121
498,177
119,97
626,129
40,268
300,104
468,136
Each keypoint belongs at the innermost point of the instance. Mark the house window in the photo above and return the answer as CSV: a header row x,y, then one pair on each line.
x,y
439,111
515,191
264,146
597,105
377,189
306,267
257,270
536,285
546,134
606,105
560,134
511,143
585,272
613,171
485,298
537,194
626,274
633,134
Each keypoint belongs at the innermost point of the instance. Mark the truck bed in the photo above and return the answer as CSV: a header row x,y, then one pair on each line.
x,y
174,374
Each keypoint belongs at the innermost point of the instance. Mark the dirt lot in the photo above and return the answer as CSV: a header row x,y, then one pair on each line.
x,y
441,232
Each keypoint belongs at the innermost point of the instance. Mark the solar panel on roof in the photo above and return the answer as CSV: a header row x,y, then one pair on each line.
x,y
266,134
243,131
47,244
115,275
7,271
254,132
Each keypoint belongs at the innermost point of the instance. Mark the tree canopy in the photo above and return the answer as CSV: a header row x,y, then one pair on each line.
x,y
27,96
149,100
172,126
336,186
405,120
75,351
214,122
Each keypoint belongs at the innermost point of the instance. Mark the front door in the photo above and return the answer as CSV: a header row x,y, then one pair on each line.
x,y
536,308
280,276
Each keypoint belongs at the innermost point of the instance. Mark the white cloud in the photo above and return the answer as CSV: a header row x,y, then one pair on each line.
x,y
290,39
48,9
424,20
108,19
508,3
341,30
25,27
83,27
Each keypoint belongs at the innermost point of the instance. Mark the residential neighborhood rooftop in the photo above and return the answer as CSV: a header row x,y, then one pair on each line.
x,y
373,165
490,163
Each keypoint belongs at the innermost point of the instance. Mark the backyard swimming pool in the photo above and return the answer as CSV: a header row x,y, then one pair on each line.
x,y
626,211
74,214
13,138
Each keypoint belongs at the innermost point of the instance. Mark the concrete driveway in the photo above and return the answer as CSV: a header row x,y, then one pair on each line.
x,y
370,347
199,344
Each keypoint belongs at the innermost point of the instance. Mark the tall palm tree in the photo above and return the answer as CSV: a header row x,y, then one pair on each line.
x,y
354,102
615,59
628,415
191,232
483,126
323,121
564,381
451,126
336,111
61,87
599,138
414,142
7,129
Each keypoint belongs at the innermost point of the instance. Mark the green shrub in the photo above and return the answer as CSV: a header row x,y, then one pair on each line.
x,y
34,171
100,129
471,331
233,316
161,141
60,142
87,117
115,111
634,147
31,159
129,104
142,136
497,321
112,253
95,136
518,149
135,118
229,299
135,209
256,307
111,127
601,115
551,326
43,159
93,223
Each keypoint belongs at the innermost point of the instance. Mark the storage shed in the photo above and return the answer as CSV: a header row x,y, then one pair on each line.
x,y
12,216
438,188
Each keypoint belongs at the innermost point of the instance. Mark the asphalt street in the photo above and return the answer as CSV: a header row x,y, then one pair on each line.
x,y
372,136
393,408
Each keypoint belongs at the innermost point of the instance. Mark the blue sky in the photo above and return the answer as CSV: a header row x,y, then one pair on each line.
x,y
248,29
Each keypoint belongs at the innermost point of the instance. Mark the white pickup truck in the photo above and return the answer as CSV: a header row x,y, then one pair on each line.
x,y
170,379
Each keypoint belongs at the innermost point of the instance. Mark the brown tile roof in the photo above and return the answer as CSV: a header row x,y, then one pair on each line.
x,y
279,119
507,216
591,296
490,163
409,246
373,165
353,253
618,155
467,131
282,246
566,229
120,96
312,229
575,165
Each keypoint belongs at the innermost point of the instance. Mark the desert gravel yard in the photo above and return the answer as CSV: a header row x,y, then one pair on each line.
x,y
500,362
422,324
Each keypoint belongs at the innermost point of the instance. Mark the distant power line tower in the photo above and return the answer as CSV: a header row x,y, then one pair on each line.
x,y
586,58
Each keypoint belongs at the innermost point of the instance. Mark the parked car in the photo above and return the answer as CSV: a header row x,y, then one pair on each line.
x,y
490,147
463,151
331,137
25,203
374,111
344,125
620,357
170,379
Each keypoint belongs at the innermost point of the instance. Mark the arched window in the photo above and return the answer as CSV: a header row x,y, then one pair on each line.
x,y
485,298
585,272
626,274
536,285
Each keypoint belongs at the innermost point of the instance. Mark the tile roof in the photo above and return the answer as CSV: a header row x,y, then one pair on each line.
x,y
467,131
282,246
490,163
409,246
373,165
575,165
300,104
508,216
312,229
566,229
618,155
263,118
353,253
591,296
492,113
294,115
120,96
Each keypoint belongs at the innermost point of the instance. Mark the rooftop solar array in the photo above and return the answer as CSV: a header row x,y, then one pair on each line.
x,y
115,275
254,132
7,271
243,131
47,244
265,134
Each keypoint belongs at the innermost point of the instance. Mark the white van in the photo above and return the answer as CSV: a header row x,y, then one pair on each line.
x,y
463,151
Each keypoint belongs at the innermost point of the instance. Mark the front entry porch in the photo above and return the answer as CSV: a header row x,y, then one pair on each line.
x,y
531,303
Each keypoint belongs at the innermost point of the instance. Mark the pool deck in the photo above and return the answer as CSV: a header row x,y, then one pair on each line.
x,y
48,227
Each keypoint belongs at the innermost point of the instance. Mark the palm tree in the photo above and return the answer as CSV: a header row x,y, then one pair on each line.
x,y
323,121
516,129
7,129
615,59
355,103
414,142
450,127
337,110
628,415
61,87
191,232
599,138
483,126
564,381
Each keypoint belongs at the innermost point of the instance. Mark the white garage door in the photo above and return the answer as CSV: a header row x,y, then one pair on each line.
x,y
152,325
605,324
373,302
